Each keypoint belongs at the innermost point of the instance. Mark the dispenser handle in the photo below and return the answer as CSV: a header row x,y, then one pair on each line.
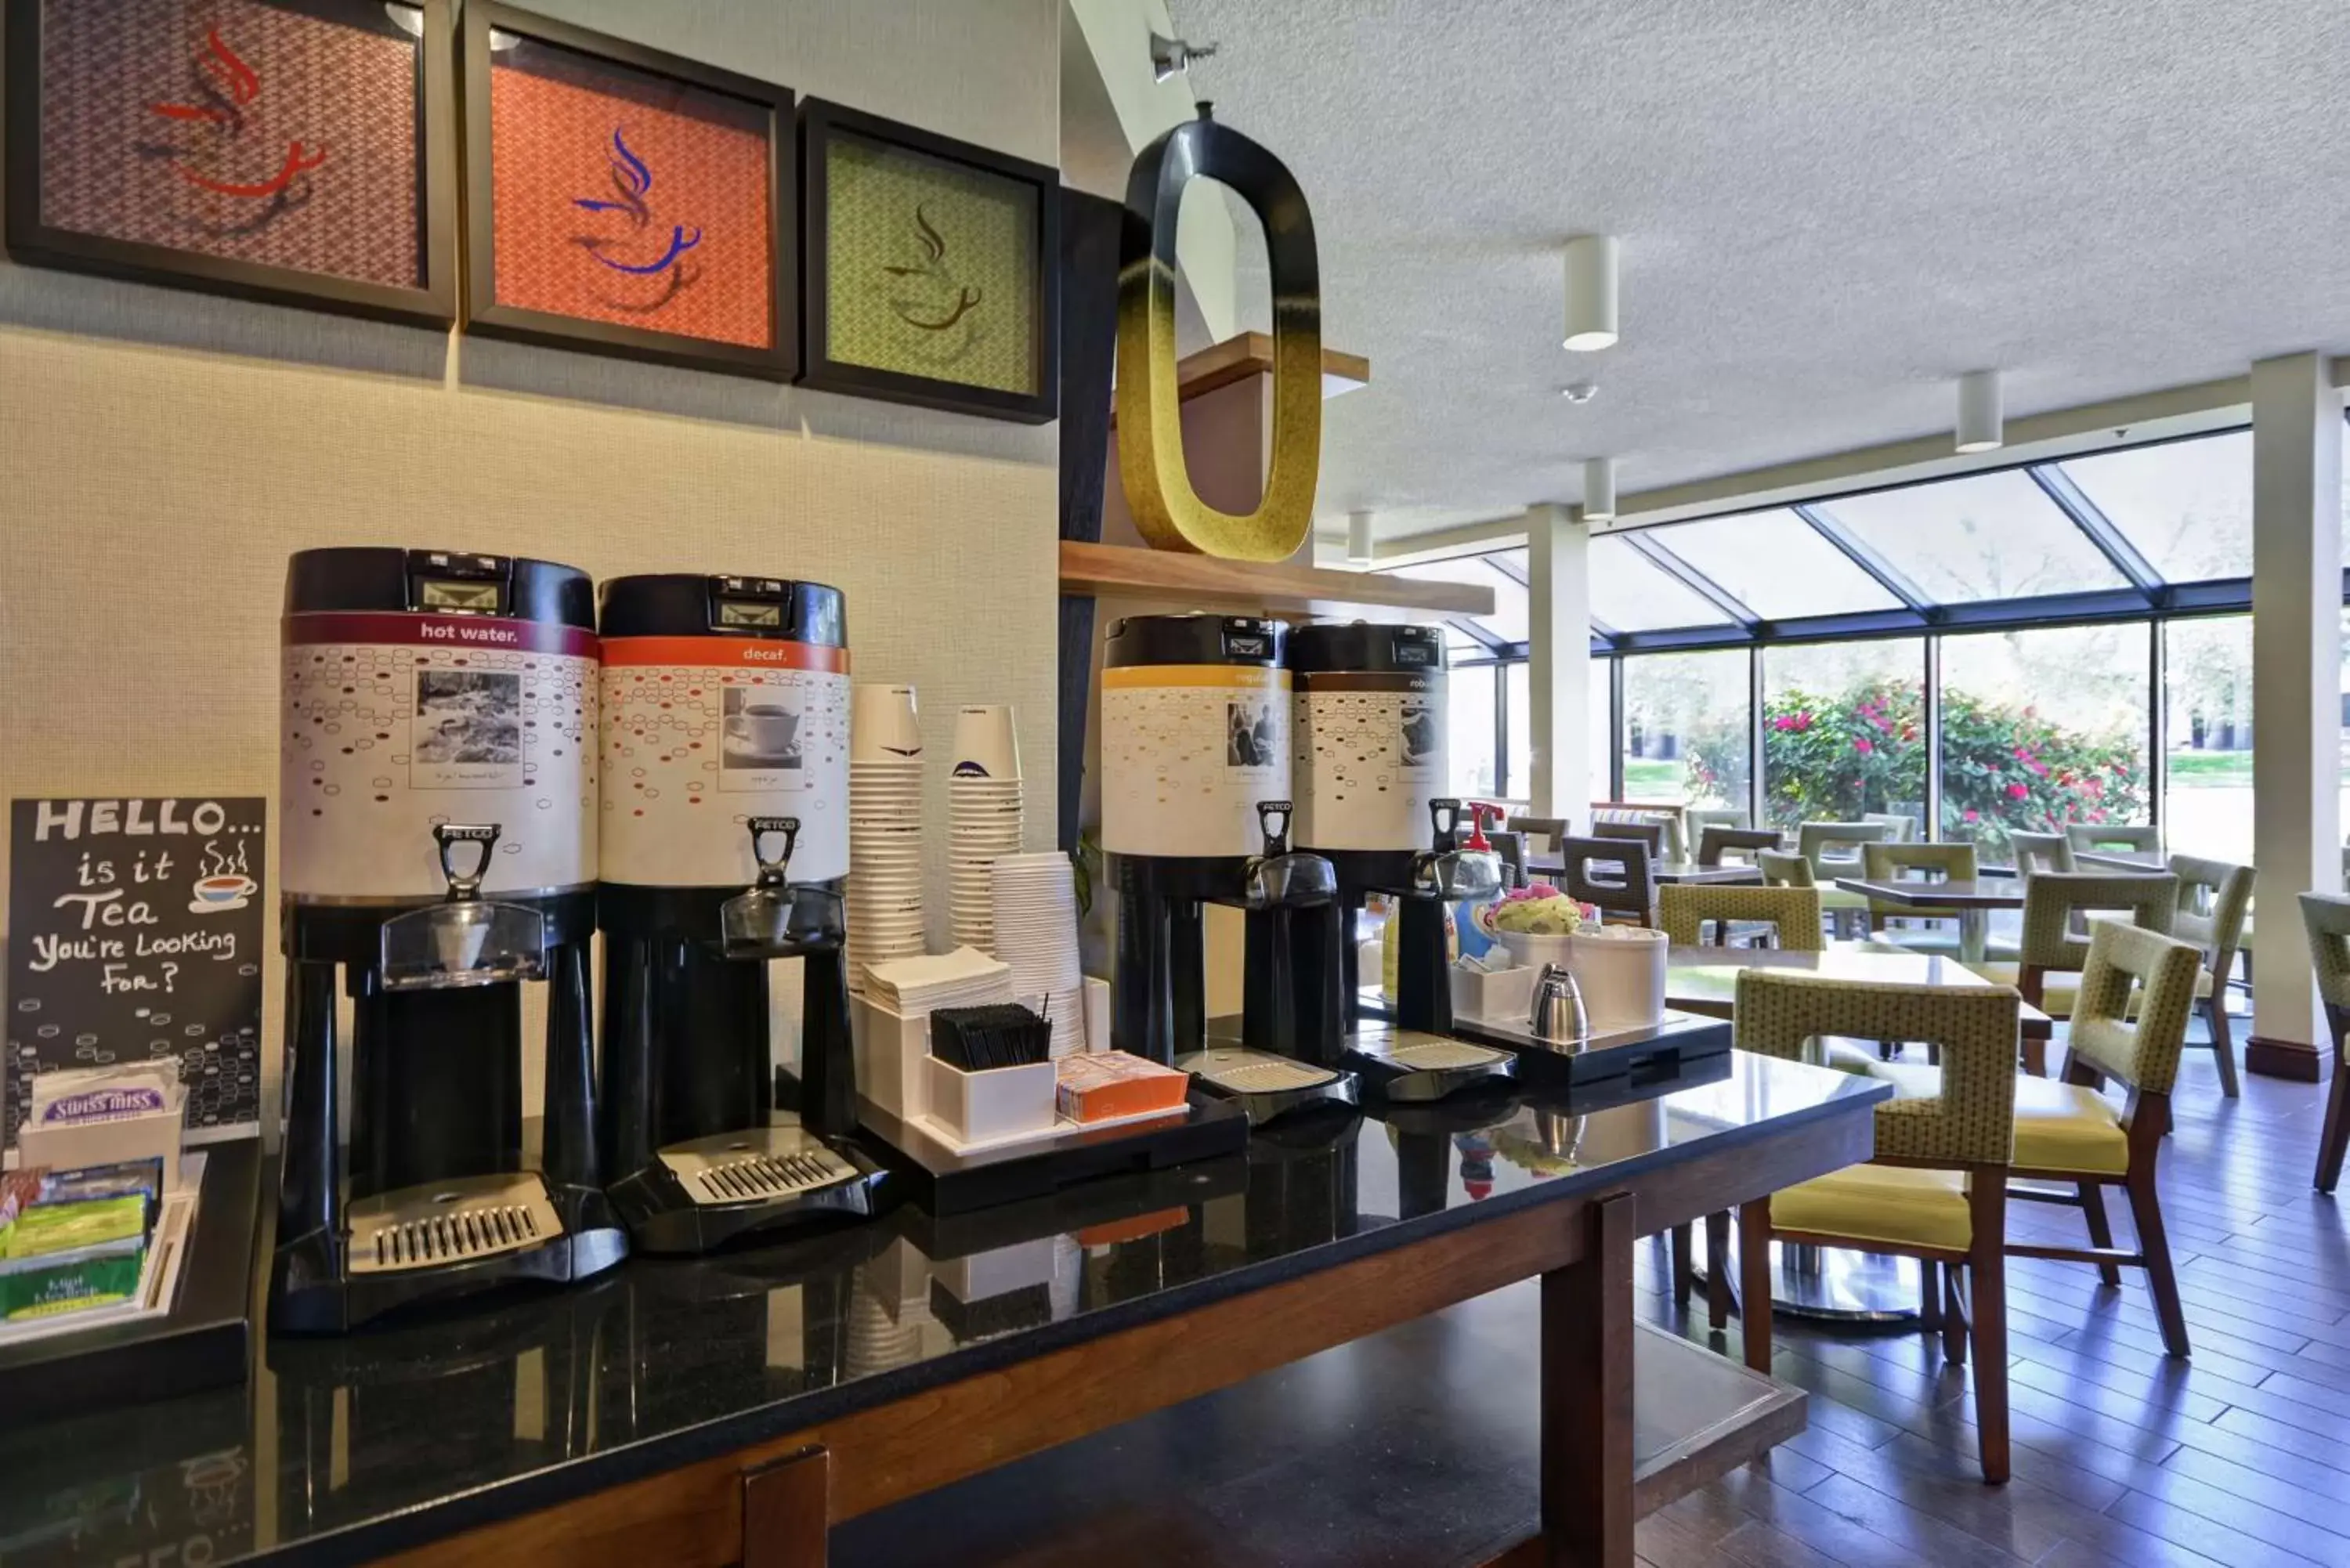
x,y
773,873
1273,817
1444,822
465,886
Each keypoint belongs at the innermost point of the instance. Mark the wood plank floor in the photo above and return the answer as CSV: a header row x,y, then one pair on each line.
x,y
2238,1458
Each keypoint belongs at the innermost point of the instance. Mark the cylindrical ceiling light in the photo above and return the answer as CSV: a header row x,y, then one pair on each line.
x,y
1982,421
1358,539
1598,489
1590,293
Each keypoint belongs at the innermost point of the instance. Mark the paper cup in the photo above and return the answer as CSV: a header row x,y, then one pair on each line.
x,y
985,745
882,727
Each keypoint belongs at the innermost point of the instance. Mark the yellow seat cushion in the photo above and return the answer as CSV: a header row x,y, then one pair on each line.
x,y
2058,1126
1888,1203
2060,992
1841,898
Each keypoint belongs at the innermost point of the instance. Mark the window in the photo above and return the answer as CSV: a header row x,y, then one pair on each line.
x,y
1843,728
1603,727
2186,504
2044,727
1631,593
1776,565
1508,623
1469,732
2207,710
1986,536
1686,728
1519,782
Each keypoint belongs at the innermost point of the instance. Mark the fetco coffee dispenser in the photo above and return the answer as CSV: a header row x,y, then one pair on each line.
x,y
438,847
725,844
1196,807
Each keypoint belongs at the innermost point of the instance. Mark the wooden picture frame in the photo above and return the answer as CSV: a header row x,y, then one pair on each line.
x,y
163,163
1015,354
648,221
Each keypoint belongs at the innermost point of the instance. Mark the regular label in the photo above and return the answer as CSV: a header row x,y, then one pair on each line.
x,y
1369,758
1188,753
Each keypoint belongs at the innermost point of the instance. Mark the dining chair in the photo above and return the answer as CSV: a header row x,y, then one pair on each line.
x,y
1741,842
1822,843
2129,1024
1936,1190
1672,846
1792,915
2055,948
2326,918
1651,833
2213,896
1901,828
1542,833
1696,819
2093,836
1894,863
1614,874
2037,852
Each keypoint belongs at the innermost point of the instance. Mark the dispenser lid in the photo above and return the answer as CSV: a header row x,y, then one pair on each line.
x,y
369,579
1364,646
1193,638
689,603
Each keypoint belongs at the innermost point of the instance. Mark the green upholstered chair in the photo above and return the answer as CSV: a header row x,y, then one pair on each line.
x,y
2112,837
1937,1187
1784,869
1673,845
1685,910
1542,833
2055,946
2213,896
1697,818
1901,828
1830,848
2326,916
2037,852
2129,1026
1718,844
1917,862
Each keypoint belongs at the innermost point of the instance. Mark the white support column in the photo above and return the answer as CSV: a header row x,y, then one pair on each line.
x,y
2296,693
1558,685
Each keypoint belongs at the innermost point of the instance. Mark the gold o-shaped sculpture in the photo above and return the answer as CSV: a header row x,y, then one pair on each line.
x,y
1167,511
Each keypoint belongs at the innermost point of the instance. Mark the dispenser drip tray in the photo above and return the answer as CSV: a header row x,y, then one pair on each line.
x,y
1442,1056
1267,1085
451,1223
759,1164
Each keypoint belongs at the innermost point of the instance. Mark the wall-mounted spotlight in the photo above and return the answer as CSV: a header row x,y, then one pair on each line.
x,y
1981,420
1358,539
1598,489
1590,293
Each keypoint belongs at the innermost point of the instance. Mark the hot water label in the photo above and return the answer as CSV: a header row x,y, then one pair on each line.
x,y
135,930
396,724
1187,751
700,734
1369,757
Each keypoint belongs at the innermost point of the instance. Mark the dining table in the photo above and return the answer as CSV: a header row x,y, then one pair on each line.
x,y
1972,899
1662,871
2123,859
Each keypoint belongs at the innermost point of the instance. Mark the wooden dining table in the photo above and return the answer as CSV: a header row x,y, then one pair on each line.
x,y
1704,980
1662,871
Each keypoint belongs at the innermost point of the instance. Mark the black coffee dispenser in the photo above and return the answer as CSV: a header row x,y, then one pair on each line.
x,y
725,742
437,799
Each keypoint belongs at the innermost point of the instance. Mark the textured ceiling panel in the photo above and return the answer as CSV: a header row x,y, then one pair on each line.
x,y
1828,209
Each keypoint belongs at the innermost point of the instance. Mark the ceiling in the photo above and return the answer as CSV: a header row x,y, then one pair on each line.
x,y
1828,209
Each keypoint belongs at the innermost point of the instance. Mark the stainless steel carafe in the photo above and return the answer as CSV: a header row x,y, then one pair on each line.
x,y
1557,1016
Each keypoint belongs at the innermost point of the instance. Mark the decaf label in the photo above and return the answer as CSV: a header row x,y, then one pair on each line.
x,y
134,935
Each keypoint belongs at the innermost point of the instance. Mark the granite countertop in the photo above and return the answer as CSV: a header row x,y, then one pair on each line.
x,y
341,1450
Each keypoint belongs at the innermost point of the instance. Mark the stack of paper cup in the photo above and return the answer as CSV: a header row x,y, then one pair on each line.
x,y
985,801
885,829
1036,934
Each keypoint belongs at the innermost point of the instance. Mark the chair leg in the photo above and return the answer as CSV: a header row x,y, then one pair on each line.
x,y
1720,1301
1929,1295
2223,1043
1954,1317
1684,1269
2101,1230
1754,1281
2336,1137
2146,1211
1987,1315
2035,1057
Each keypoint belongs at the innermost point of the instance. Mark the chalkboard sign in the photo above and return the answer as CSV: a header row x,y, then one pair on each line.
x,y
134,935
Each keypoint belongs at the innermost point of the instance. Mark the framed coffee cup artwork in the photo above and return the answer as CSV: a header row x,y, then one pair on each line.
x,y
625,201
300,152
930,268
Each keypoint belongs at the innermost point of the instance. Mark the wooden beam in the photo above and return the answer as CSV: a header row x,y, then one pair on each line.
x,y
1122,571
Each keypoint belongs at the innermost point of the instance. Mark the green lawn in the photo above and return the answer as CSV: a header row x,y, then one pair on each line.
x,y
2211,770
1646,778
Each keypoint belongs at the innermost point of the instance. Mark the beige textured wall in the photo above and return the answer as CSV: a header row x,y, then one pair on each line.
x,y
162,452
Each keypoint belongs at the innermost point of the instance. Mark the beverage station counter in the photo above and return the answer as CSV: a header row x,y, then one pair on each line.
x,y
734,1406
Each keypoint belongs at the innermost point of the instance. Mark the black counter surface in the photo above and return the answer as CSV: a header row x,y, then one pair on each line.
x,y
343,1449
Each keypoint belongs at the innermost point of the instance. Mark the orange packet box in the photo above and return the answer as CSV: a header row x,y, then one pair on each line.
x,y
1104,1085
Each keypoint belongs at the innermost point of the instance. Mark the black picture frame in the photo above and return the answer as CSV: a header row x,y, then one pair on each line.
x,y
820,120
485,315
434,301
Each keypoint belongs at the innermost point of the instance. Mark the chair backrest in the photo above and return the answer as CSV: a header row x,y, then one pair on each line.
x,y
1651,834
1542,833
1899,825
1783,869
1684,909
2213,896
2129,1019
2326,917
1697,818
2038,852
2050,939
2111,835
1673,846
1971,1121
1614,874
1903,862
1819,842
1742,843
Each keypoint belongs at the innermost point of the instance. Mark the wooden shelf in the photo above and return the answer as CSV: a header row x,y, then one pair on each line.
x,y
1698,1416
1122,571
1250,354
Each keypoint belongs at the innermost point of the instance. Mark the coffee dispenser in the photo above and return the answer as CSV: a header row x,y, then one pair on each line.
x,y
725,845
437,848
1195,806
